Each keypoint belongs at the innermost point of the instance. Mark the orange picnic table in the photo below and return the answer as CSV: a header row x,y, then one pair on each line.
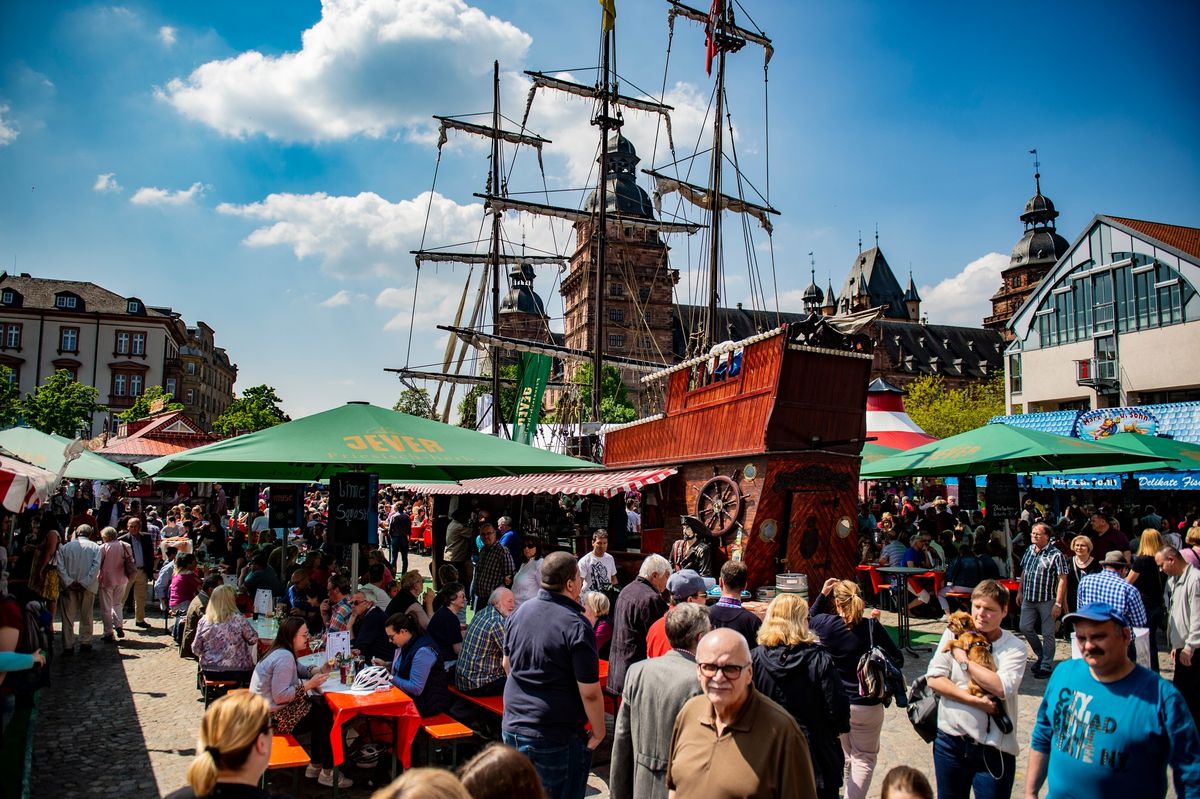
x,y
392,703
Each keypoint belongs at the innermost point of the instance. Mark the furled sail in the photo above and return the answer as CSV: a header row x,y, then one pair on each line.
x,y
408,375
702,198
575,215
485,341
695,14
544,81
441,256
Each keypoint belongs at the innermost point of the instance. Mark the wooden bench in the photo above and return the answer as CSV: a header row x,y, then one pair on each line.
x,y
444,730
286,752
215,689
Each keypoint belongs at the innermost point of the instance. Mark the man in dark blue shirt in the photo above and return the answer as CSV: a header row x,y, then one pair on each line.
x,y
553,687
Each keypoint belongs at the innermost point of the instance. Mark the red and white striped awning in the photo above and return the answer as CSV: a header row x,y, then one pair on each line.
x,y
887,421
603,484
22,484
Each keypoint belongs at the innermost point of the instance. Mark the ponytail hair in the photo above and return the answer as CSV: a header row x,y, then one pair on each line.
x,y
228,733
849,604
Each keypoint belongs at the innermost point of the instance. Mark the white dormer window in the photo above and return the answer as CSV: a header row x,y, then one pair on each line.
x,y
134,307
66,301
6,297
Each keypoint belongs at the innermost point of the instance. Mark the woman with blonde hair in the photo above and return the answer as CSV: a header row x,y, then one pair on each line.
x,y
233,750
596,607
791,667
424,783
1191,546
837,617
224,640
1148,580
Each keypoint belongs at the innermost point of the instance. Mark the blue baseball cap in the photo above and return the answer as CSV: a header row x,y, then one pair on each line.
x,y
1098,611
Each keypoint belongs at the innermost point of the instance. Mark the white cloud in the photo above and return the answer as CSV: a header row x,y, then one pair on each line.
x,y
150,195
338,300
342,82
963,299
106,182
8,130
437,306
166,35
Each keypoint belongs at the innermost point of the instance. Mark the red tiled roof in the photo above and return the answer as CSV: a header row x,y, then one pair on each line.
x,y
1184,239
154,439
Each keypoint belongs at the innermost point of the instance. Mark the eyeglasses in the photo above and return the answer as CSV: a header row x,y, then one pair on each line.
x,y
731,670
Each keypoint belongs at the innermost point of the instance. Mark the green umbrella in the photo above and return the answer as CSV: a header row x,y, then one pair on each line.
x,y
999,449
46,450
877,452
1171,455
359,437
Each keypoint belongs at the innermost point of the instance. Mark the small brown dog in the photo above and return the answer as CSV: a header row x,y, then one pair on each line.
x,y
975,644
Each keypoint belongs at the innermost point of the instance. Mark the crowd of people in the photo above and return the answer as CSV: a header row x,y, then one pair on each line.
x,y
709,698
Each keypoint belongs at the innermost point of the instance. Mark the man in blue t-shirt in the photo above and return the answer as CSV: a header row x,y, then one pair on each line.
x,y
553,687
1108,727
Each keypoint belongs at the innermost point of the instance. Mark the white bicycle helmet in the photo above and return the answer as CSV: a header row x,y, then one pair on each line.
x,y
372,678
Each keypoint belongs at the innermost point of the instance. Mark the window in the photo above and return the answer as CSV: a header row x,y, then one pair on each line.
x,y
616,315
191,367
190,396
645,343
134,307
68,339
120,381
644,293
1014,373
1106,357
122,347
1102,301
170,387
67,301
6,297
616,290
139,343
12,337
135,385
616,342
14,376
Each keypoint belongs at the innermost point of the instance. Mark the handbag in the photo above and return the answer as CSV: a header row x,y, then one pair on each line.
x,y
923,709
287,717
878,676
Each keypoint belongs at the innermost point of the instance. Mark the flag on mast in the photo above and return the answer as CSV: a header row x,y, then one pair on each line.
x,y
710,35
609,17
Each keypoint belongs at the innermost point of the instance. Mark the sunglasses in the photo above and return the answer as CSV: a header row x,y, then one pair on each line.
x,y
731,670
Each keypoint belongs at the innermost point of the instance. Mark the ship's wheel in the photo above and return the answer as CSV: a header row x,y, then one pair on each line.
x,y
719,505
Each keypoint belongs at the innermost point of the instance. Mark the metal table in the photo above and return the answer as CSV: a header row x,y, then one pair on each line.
x,y
903,620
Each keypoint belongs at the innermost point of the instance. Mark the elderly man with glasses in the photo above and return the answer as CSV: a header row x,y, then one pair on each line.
x,y
731,741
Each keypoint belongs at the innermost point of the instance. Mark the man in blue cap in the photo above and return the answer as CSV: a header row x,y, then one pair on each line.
x,y
1108,727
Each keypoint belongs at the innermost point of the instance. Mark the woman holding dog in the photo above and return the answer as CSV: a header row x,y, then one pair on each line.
x,y
972,752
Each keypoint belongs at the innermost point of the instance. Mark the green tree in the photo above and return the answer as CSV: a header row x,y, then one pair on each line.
x,y
615,407
415,402
10,398
257,409
508,399
140,408
943,412
61,405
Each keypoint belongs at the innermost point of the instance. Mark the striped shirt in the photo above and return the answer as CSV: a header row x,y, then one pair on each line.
x,y
1110,587
1040,573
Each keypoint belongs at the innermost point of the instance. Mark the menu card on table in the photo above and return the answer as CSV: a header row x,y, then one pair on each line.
x,y
337,643
264,602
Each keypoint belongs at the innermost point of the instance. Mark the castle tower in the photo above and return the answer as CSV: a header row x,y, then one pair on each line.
x,y
1036,252
639,294
522,312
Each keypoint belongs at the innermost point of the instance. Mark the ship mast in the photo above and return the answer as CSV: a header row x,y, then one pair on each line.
x,y
495,252
714,253
606,123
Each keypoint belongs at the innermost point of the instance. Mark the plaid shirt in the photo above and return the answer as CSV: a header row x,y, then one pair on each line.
x,y
495,563
1110,587
1040,573
339,617
479,663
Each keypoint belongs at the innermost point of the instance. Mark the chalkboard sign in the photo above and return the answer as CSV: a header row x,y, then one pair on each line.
x,y
968,494
1003,498
286,506
353,512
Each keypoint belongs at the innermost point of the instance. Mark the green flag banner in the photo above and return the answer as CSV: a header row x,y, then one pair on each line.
x,y
534,372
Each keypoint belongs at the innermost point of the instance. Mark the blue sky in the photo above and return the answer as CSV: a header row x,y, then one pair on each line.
x,y
263,166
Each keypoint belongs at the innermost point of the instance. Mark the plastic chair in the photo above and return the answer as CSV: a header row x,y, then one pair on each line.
x,y
882,588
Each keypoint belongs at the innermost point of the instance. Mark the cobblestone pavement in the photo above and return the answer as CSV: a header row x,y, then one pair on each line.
x,y
121,721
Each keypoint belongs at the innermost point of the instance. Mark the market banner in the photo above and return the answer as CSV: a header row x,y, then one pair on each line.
x,y
531,385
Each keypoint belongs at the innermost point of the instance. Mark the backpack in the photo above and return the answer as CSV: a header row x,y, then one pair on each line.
x,y
35,636
923,709
878,676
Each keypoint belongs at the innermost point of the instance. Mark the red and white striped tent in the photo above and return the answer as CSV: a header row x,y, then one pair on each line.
x,y
603,484
22,484
887,421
